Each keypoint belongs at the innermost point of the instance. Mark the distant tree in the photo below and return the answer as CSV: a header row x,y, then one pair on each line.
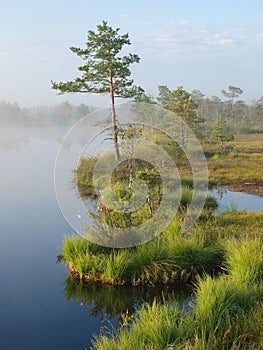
x,y
104,71
129,136
256,113
164,95
220,132
185,108
241,110
12,114
64,112
198,97
217,105
82,110
232,93
144,98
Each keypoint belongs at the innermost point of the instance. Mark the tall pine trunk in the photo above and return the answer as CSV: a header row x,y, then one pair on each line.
x,y
113,120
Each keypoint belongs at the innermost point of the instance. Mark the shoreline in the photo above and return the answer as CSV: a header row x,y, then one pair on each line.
x,y
251,187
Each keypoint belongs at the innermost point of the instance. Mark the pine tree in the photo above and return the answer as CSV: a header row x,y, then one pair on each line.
x,y
220,133
104,71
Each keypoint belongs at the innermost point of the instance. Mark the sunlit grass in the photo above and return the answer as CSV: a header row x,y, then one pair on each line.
x,y
171,257
249,143
245,168
117,265
156,327
233,224
243,164
226,316
245,259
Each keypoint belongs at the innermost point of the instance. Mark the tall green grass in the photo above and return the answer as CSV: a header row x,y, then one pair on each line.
x,y
227,313
227,316
116,267
245,259
156,327
173,257
169,258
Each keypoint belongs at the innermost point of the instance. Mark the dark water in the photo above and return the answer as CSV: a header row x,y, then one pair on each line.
x,y
40,307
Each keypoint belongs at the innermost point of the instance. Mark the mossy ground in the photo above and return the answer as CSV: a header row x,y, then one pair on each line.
x,y
241,167
238,166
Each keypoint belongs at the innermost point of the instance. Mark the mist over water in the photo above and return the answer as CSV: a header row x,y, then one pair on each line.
x,y
40,307
34,311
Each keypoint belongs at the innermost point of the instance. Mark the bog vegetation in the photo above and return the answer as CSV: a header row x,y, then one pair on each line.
x,y
221,257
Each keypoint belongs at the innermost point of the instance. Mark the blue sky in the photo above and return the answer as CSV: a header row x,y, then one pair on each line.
x,y
201,45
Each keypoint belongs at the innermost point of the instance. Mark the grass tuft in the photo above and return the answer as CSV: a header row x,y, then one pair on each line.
x,y
227,316
245,259
169,258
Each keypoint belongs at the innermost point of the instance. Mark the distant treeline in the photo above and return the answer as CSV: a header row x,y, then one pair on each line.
x,y
236,113
11,114
203,113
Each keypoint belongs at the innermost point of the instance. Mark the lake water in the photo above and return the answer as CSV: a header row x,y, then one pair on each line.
x,y
41,308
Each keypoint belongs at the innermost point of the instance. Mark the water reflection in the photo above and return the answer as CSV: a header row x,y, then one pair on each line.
x,y
12,139
109,302
32,229
236,201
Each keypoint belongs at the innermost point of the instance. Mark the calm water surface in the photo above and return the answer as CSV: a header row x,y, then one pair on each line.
x,y
41,308
34,311
228,200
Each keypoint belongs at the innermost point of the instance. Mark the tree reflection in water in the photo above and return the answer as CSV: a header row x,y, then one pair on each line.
x,y
107,301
